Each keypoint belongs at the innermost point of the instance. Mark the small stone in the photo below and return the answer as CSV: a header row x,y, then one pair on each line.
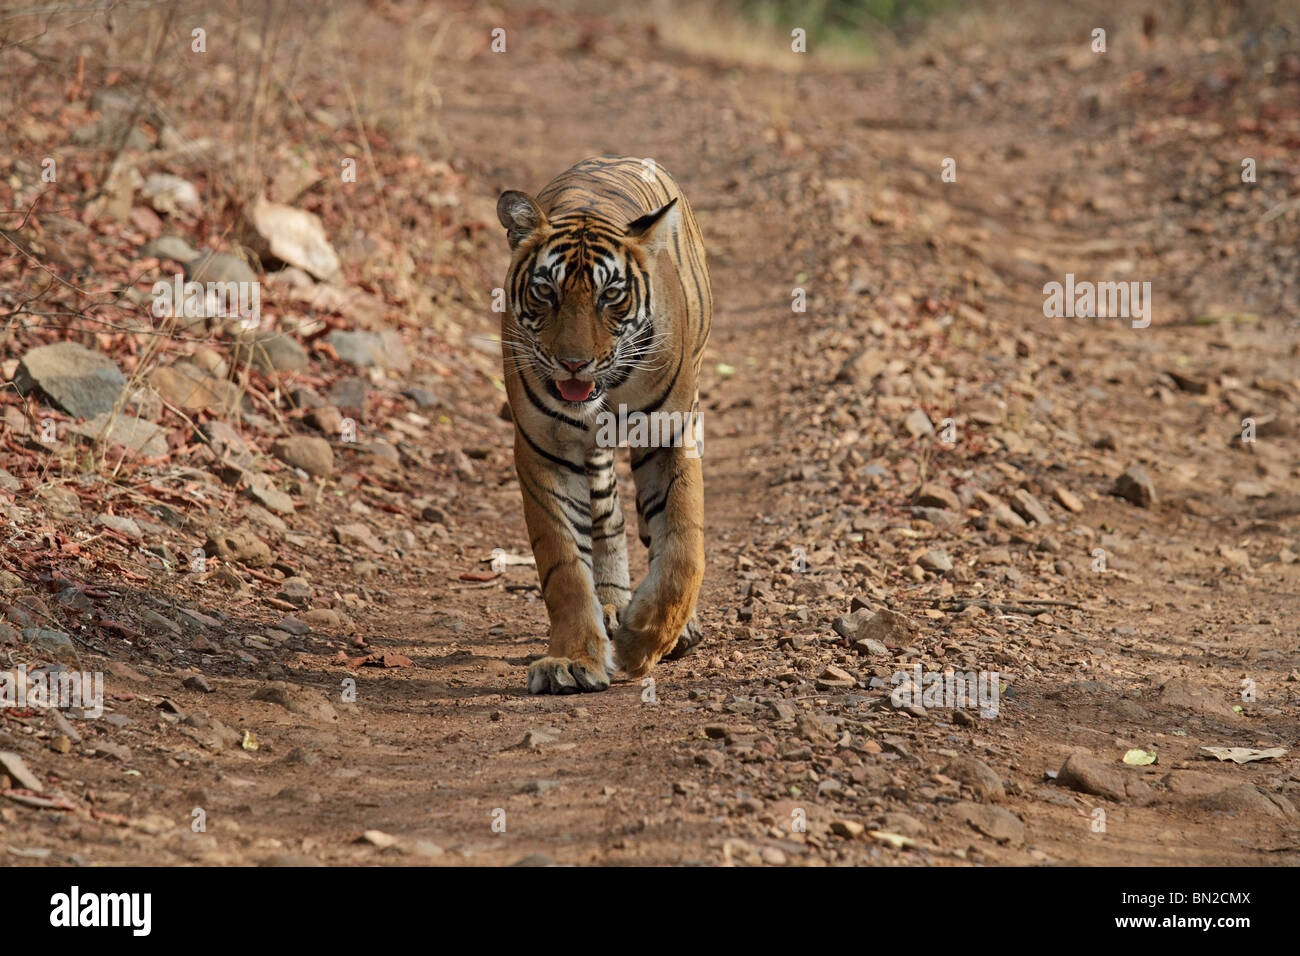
x,y
934,495
356,535
283,234
773,856
1184,694
422,397
537,738
711,758
60,500
312,455
871,648
977,775
135,434
1135,485
263,490
833,677
170,247
237,545
365,349
16,767
993,822
1006,517
188,387
305,701
121,524
782,709
294,626
197,682
56,644
1068,500
169,194
272,352
898,822
887,627
326,419
860,369
849,829
225,442
1029,507
1089,775
1194,385
936,561
322,618
350,395
918,423
209,266
296,590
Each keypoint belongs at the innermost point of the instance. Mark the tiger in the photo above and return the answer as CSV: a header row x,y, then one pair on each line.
x,y
607,311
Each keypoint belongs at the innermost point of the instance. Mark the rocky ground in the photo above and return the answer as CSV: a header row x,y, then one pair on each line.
x,y
276,544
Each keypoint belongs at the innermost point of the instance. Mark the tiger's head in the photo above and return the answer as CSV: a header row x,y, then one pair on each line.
x,y
581,296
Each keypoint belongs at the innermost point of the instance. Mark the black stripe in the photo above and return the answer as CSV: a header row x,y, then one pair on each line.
x,y
659,505
537,403
555,459
657,450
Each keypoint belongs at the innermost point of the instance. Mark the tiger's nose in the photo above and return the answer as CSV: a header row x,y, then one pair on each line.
x,y
575,365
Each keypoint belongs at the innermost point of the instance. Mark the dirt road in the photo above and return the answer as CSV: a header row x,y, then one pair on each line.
x,y
918,437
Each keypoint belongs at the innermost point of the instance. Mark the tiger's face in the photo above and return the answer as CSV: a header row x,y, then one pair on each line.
x,y
581,297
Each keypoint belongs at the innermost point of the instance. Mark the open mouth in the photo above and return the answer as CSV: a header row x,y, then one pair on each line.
x,y
574,390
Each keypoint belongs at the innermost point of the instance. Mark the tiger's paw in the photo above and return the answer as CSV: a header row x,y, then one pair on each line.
x,y
564,675
636,652
687,641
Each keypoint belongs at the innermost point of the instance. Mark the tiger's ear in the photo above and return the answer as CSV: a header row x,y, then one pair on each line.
x,y
520,214
654,229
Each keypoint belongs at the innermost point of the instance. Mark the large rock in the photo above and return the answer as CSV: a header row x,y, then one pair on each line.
x,y
81,382
282,234
1090,775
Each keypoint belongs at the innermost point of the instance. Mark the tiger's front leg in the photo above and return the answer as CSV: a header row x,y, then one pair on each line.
x,y
670,502
557,510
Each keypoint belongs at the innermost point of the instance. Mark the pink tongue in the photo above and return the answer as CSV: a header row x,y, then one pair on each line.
x,y
574,390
